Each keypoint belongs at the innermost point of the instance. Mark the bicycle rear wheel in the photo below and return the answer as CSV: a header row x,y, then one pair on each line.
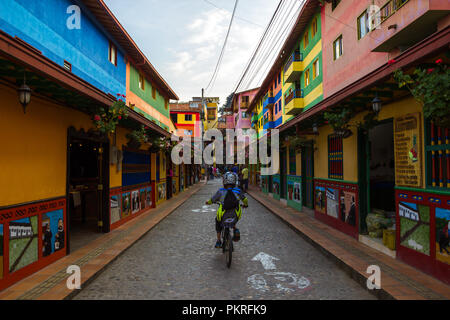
x,y
228,248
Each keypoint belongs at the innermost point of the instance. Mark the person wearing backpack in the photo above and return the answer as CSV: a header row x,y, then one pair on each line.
x,y
228,198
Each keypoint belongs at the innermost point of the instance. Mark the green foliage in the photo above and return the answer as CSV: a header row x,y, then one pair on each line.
x,y
106,120
338,118
430,85
139,135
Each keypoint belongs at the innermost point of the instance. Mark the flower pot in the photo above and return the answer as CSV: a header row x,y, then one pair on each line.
x,y
133,144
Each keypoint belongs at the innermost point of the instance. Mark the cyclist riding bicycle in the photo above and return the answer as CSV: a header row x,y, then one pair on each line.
x,y
228,199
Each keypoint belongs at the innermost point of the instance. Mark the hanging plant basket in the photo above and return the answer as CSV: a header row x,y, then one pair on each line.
x,y
106,119
343,132
133,144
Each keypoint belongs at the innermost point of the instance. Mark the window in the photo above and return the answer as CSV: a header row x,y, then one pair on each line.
x,y
188,117
316,69
314,27
188,132
305,40
279,78
112,55
166,103
363,24
337,48
437,151
141,82
153,92
306,77
335,157
67,66
174,117
211,114
244,115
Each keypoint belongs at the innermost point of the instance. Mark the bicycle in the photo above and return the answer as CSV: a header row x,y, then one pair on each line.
x,y
227,241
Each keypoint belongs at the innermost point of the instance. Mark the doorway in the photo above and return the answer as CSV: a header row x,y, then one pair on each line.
x,y
88,189
283,173
376,171
308,176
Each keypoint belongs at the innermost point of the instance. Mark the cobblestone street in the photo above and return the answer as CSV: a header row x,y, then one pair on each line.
x,y
177,260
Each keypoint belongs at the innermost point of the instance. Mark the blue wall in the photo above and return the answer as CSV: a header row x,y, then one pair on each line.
x,y
43,24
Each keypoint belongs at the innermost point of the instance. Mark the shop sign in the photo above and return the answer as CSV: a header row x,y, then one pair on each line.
x,y
408,151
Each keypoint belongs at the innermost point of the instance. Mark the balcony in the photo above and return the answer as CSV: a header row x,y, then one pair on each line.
x,y
293,102
403,23
293,67
268,100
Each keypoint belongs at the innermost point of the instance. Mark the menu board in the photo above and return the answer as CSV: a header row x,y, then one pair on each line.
x,y
408,151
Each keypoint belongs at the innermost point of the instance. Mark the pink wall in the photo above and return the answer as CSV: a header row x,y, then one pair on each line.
x,y
357,59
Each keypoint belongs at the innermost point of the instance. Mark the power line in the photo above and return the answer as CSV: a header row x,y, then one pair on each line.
x,y
237,17
285,31
271,47
269,38
223,47
249,63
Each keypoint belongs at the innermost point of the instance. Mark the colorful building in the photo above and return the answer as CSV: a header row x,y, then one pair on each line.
x,y
356,148
63,181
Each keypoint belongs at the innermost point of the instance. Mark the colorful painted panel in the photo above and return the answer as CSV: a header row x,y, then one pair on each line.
x,y
23,243
161,192
142,198
320,199
415,226
135,202
332,202
53,233
276,186
442,235
1,251
126,204
115,208
294,192
348,207
148,198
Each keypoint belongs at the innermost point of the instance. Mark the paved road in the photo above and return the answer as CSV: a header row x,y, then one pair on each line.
x,y
177,260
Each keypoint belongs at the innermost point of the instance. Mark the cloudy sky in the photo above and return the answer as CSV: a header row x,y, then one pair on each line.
x,y
183,39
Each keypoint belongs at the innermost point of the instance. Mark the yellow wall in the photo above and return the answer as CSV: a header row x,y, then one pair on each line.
x,y
34,148
393,110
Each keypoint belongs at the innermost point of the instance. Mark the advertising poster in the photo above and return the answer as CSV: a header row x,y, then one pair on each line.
x,y
408,159
332,202
415,227
126,204
115,208
23,243
320,199
53,234
442,235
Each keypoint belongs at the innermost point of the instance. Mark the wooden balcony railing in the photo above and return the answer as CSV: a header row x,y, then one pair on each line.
x,y
292,95
295,56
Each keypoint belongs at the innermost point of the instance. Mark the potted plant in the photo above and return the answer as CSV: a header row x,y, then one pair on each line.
x,y
106,120
137,137
430,85
339,119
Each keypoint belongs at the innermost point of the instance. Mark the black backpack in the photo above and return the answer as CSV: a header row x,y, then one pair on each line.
x,y
230,201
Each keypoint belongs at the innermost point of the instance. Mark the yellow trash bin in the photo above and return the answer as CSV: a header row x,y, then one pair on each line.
x,y
389,238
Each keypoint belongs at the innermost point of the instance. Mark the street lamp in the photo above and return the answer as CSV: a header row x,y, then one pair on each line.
x,y
376,105
315,128
24,95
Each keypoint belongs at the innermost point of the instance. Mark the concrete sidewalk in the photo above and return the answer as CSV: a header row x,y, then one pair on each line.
x,y
398,280
50,282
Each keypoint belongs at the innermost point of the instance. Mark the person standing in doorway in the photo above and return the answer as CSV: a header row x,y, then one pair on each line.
x,y
245,178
